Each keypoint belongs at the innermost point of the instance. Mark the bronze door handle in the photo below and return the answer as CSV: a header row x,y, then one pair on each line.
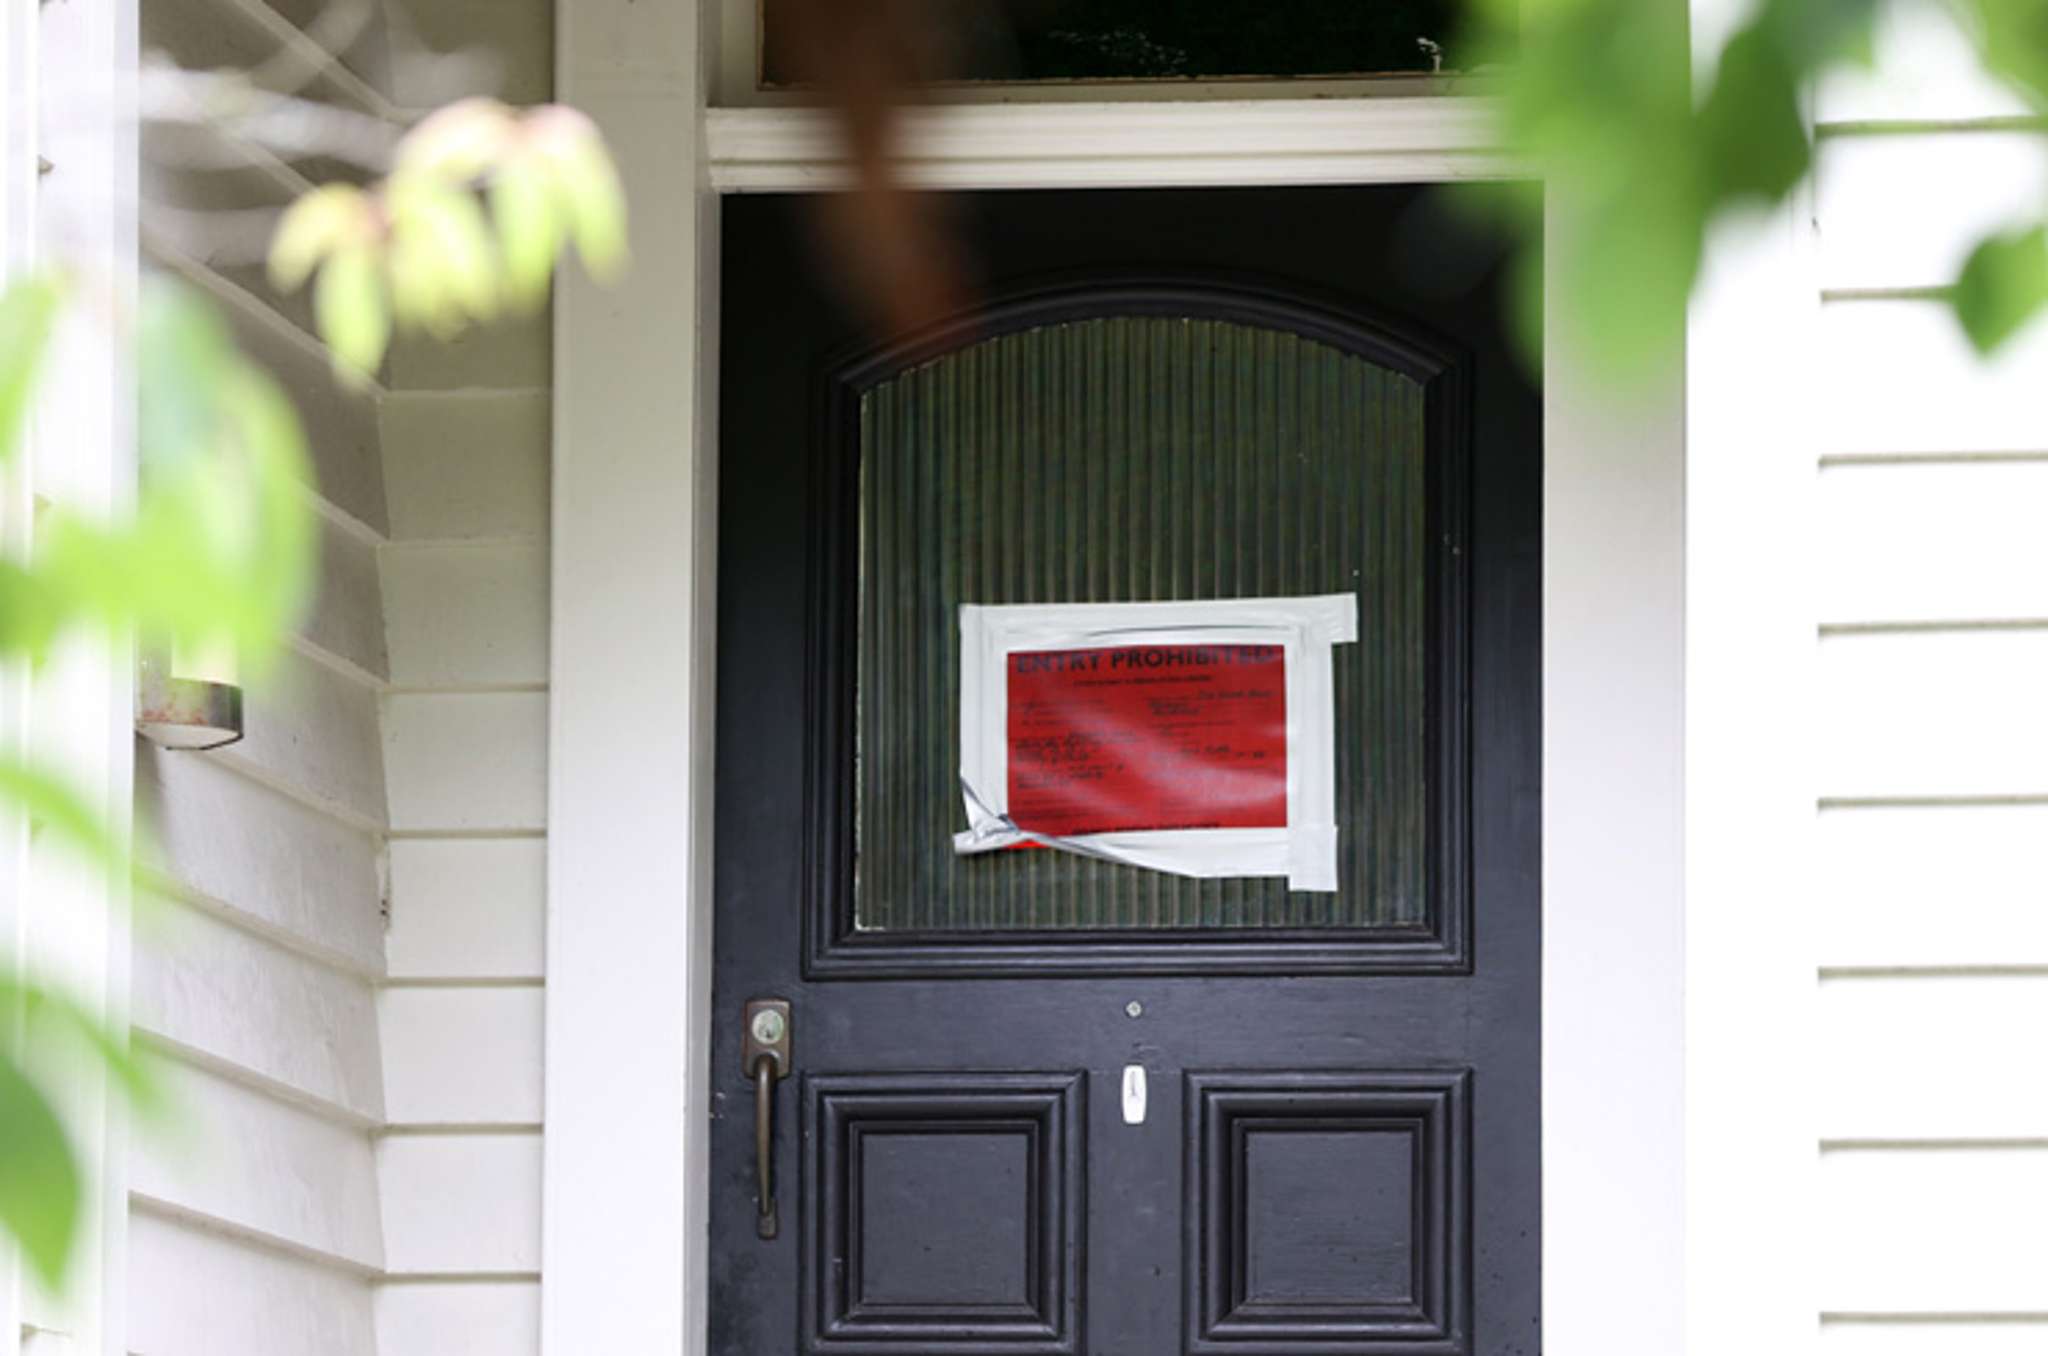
x,y
764,1054
767,1222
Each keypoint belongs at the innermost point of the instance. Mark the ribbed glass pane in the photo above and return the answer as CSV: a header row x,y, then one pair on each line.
x,y
1126,460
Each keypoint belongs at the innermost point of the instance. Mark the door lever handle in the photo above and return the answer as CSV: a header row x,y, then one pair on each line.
x,y
764,1054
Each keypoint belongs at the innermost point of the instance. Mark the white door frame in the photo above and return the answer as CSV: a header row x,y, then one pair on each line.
x,y
633,685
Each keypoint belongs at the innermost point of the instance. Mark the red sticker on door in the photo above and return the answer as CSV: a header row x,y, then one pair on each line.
x,y
1145,737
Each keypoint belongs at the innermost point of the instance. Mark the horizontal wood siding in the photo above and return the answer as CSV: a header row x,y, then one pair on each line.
x,y
233,998
1942,886
1932,730
1933,542
483,1318
1941,714
1898,378
467,909
467,762
255,1212
195,1291
461,1206
464,615
282,869
475,467
258,1165
465,727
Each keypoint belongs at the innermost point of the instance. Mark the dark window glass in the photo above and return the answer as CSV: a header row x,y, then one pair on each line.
x,y
1026,40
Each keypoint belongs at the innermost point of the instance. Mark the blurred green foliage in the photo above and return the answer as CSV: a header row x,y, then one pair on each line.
x,y
1600,96
480,202
218,551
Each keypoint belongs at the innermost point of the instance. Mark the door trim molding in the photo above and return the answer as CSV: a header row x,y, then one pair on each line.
x,y
633,640
1126,145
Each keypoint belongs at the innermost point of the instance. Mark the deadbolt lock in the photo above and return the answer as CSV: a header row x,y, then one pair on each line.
x,y
766,1036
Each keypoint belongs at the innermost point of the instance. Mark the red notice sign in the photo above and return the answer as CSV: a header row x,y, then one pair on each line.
x,y
1146,737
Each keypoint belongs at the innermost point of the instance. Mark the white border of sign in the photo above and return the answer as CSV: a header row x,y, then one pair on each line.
x,y
1305,851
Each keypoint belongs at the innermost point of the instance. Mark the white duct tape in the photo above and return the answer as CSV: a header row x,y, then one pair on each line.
x,y
1185,651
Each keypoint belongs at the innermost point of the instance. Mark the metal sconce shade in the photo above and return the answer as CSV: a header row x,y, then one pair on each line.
x,y
176,711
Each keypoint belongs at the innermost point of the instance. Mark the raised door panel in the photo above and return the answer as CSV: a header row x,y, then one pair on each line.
x,y
943,1213
1328,1214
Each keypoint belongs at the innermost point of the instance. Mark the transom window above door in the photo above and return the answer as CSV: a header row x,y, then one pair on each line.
x,y
1026,41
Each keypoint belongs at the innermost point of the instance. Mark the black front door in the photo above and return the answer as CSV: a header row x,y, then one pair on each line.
x,y
1042,1102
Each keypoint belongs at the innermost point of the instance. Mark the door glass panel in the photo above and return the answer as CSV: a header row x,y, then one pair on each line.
x,y
1122,460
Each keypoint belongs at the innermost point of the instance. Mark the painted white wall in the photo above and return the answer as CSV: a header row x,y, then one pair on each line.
x,y
1930,747
350,981
466,441
465,730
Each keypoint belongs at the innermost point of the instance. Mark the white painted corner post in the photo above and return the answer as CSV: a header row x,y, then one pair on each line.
x,y
1753,429
629,739
69,161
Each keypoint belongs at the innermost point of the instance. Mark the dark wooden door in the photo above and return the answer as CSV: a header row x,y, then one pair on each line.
x,y
1163,395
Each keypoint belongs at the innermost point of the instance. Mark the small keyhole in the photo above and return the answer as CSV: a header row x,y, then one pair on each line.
x,y
769,1026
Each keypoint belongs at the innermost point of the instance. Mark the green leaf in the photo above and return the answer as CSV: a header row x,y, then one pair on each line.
x,y
31,613
2013,42
351,311
586,184
448,274
1753,134
49,801
48,1015
28,316
41,1190
321,223
530,229
2003,286
456,144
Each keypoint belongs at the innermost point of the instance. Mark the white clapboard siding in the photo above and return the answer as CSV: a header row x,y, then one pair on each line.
x,y
464,585
461,1204
211,34
1899,377
1933,1057
1953,885
289,870
193,1291
510,353
1916,715
1964,1337
243,1159
1943,541
1904,211
341,425
519,37
467,615
467,908
347,618
477,1318
466,762
313,732
462,1055
238,999
467,464
1926,69
212,216
1932,1230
